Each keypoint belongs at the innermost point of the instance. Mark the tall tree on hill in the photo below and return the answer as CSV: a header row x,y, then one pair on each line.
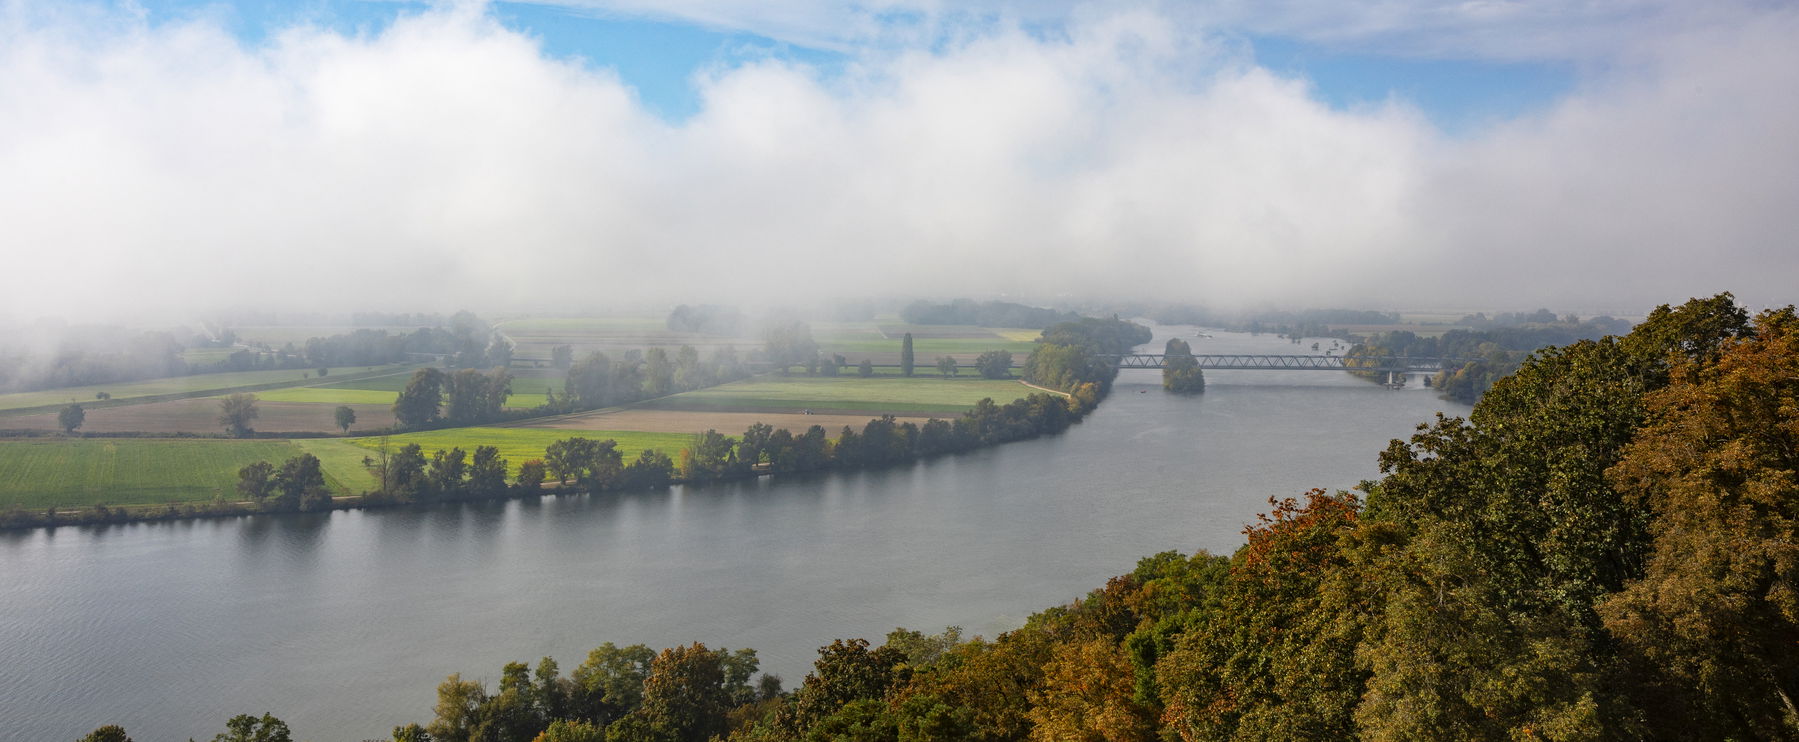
x,y
345,418
236,412
418,403
906,359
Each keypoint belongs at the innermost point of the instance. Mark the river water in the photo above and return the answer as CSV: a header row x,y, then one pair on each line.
x,y
343,623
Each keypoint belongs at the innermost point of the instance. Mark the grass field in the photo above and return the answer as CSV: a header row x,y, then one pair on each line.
x,y
37,473
874,396
519,444
333,395
172,385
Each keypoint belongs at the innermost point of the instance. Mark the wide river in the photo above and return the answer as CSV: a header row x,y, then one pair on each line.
x,y
343,623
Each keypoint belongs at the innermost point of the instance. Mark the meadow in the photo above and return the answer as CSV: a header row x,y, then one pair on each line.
x,y
918,394
175,385
44,472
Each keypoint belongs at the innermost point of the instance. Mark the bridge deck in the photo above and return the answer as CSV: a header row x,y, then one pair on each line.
x,y
1263,362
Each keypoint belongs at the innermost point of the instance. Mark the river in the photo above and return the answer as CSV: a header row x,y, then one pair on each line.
x,y
343,623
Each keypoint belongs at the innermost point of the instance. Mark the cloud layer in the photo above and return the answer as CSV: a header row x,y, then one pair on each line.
x,y
447,161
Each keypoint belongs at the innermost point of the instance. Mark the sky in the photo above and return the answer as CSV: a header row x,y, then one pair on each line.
x,y
163,157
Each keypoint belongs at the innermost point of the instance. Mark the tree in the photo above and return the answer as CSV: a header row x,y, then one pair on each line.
x,y
71,417
418,403
906,360
866,368
686,695
247,728
530,475
236,412
572,731
658,373
345,418
1714,621
487,473
108,733
254,481
994,364
1180,371
791,344
562,356
300,484
946,366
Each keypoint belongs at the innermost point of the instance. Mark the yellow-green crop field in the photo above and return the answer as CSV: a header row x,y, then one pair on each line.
x,y
44,472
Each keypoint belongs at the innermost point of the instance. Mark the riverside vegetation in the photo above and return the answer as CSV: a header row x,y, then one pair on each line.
x,y
1603,549
1065,360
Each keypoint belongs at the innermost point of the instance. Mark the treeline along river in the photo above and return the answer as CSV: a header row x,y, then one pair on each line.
x,y
343,623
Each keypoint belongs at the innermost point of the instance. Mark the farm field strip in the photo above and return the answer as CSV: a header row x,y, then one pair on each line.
x,y
916,394
172,385
337,396
36,473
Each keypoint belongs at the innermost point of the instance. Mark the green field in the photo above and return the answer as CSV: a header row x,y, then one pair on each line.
x,y
520,444
926,394
336,395
36,473
172,385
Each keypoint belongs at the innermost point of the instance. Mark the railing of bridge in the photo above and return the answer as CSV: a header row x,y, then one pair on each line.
x,y
1263,362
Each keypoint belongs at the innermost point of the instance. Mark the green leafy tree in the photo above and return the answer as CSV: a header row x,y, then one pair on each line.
x,y
906,358
865,369
247,728
419,402
994,364
562,356
531,475
300,485
609,685
487,473
255,481
411,733
572,731
345,418
686,696
71,417
946,366
108,733
237,412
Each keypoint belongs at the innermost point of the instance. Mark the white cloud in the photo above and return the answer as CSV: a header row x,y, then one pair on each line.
x,y
447,161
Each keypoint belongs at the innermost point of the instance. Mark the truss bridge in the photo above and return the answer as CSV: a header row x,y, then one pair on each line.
x,y
1258,362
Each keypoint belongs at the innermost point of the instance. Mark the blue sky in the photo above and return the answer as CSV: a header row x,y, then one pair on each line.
x,y
659,56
